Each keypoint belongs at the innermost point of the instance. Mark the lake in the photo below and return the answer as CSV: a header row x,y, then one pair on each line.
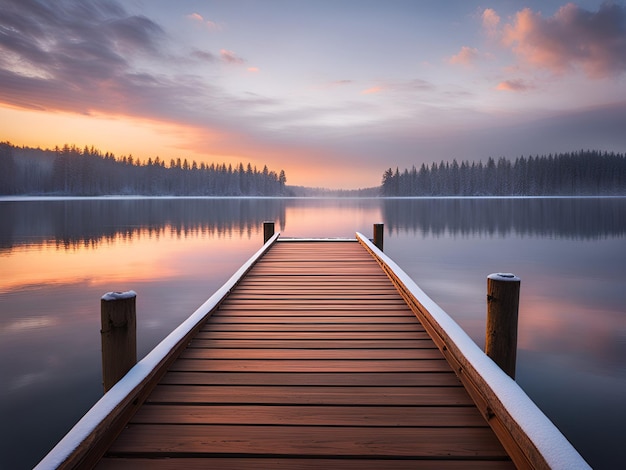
x,y
58,257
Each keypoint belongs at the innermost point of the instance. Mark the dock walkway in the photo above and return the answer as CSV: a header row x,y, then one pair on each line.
x,y
314,355
318,356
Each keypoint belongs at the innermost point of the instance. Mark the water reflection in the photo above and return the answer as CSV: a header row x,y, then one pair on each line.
x,y
586,218
84,223
69,224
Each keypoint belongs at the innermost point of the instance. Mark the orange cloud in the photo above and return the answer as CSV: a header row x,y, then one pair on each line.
x,y
513,85
372,90
594,41
253,69
466,56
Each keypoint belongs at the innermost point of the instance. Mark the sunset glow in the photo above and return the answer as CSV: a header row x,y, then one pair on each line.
x,y
316,91
121,263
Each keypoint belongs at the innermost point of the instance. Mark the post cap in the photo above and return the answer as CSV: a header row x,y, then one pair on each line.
x,y
504,277
119,295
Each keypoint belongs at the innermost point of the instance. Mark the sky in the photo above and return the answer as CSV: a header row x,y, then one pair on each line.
x,y
331,91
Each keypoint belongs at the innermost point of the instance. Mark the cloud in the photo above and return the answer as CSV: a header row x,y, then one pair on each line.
x,y
91,41
466,56
230,57
372,90
204,56
208,23
412,86
573,37
491,20
83,57
513,85
93,58
405,87
253,69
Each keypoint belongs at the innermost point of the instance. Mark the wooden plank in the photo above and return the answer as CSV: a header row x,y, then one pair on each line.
x,y
319,264
299,415
292,312
309,441
243,463
315,327
208,334
325,307
319,296
311,344
331,292
309,354
337,379
311,395
322,302
284,271
289,287
295,365
281,271
315,319
315,282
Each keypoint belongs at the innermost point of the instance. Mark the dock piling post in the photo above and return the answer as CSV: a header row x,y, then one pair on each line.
x,y
502,312
118,335
268,231
378,235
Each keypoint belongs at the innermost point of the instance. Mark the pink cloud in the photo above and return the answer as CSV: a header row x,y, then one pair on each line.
x,y
195,17
208,23
466,56
491,21
594,41
513,85
230,57
253,69
372,90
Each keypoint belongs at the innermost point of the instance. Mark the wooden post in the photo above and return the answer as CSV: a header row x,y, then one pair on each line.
x,y
119,336
379,229
502,311
268,231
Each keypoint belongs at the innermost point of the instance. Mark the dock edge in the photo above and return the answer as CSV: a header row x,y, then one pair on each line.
x,y
528,435
76,449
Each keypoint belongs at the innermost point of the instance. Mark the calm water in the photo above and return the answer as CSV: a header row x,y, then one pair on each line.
x,y
57,258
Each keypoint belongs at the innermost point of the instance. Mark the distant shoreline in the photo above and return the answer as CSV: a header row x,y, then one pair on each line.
x,y
117,197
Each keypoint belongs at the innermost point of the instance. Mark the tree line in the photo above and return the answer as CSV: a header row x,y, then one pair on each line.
x,y
89,172
585,172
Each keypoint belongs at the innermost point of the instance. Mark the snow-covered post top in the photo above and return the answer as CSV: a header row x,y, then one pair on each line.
x,y
268,231
119,335
119,295
502,312
506,277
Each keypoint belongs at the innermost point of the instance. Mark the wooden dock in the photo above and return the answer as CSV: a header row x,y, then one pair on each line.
x,y
315,358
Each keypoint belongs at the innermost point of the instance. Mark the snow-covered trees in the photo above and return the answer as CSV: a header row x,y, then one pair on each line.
x,y
88,172
566,174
